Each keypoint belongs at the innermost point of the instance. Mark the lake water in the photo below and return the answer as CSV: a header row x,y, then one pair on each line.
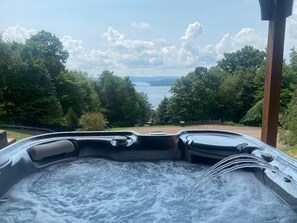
x,y
154,93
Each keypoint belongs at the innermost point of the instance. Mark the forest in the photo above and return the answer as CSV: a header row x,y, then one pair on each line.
x,y
37,90
233,91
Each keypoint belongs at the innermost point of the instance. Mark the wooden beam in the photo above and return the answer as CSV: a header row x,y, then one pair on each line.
x,y
274,62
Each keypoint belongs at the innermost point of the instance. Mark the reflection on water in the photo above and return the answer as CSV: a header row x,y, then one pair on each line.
x,y
154,93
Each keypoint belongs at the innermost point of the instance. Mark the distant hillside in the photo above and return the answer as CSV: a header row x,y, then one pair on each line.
x,y
155,81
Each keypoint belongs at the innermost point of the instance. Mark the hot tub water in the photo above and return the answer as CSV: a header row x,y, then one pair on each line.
x,y
97,190
229,164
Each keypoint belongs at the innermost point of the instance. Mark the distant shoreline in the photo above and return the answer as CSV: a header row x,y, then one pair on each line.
x,y
154,81
139,83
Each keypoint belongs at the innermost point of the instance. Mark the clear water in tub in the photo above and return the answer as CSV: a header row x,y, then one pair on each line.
x,y
96,190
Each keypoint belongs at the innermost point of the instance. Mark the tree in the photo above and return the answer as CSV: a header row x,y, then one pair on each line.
x,y
123,105
128,106
76,91
247,57
69,92
145,107
162,115
230,102
289,122
107,90
71,119
205,95
47,50
293,59
93,121
195,96
289,80
27,91
254,115
182,106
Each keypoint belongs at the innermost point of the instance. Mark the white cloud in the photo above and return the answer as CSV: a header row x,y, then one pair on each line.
x,y
80,58
231,43
117,41
113,35
248,36
127,56
141,27
123,55
191,34
17,34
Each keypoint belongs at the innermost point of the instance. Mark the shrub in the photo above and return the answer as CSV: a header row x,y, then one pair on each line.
x,y
71,119
254,115
288,120
93,121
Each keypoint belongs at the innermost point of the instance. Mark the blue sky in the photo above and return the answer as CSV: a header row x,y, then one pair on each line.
x,y
142,37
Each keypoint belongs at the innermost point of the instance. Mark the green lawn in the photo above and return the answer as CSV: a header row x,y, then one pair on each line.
x,y
141,127
291,152
17,135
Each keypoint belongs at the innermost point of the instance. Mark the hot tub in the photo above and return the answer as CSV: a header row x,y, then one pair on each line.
x,y
275,170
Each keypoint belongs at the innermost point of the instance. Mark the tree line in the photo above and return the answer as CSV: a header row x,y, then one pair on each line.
x,y
232,91
37,90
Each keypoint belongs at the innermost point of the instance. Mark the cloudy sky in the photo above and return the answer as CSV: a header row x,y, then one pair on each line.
x,y
143,37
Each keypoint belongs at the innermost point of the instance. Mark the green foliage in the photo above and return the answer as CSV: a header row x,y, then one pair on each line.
x,y
236,94
289,122
182,104
145,107
230,123
291,152
36,90
47,50
253,115
107,91
293,59
93,121
71,119
124,107
231,91
195,96
76,91
246,58
27,92
162,115
17,135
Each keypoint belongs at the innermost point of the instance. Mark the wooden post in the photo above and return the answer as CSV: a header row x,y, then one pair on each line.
x,y
276,13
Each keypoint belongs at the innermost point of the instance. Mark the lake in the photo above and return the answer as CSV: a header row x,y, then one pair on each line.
x,y
154,93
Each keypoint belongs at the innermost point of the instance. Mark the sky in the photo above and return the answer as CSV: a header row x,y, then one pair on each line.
x,y
143,37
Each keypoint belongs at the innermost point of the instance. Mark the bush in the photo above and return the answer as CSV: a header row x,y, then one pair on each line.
x,y
93,121
71,119
253,116
228,123
288,120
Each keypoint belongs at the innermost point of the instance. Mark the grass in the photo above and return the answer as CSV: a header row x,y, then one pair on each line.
x,y
136,127
291,152
17,135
